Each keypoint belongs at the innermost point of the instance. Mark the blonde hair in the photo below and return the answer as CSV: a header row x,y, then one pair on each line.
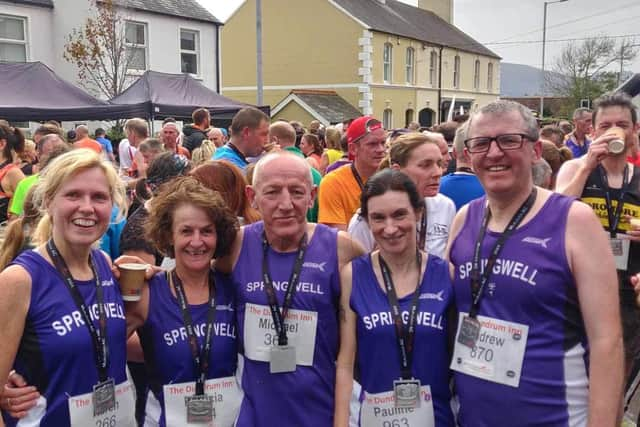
x,y
63,168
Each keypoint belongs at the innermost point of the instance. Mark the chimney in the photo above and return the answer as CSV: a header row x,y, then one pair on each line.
x,y
442,8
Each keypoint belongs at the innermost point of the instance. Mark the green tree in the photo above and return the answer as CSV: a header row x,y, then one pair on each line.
x,y
100,50
585,70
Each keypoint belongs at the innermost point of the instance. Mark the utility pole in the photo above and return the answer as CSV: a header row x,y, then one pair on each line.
x,y
621,63
259,82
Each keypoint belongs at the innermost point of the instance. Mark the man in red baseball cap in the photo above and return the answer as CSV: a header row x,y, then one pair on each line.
x,y
339,193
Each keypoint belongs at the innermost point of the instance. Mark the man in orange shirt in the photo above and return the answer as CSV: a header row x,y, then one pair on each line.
x,y
340,190
83,140
169,136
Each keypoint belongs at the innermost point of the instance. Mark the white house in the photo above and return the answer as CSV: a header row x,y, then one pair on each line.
x,y
171,36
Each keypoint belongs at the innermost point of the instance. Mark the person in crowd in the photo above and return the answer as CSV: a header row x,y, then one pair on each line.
x,y
315,127
553,134
148,150
566,127
284,135
413,127
11,145
600,177
169,138
204,153
83,140
448,132
444,149
18,235
339,192
392,283
578,141
299,128
28,158
50,147
249,135
137,131
196,132
555,157
216,136
334,152
542,174
463,185
107,147
419,157
311,148
228,180
46,129
344,160
71,136
193,225
289,360
538,334
62,299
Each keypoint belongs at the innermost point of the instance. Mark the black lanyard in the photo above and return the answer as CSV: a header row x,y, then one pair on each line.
x,y
200,359
478,282
238,152
356,175
276,314
422,233
406,336
99,336
614,217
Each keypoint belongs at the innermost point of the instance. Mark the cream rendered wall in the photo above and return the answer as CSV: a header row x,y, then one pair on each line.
x,y
293,111
307,44
442,8
38,29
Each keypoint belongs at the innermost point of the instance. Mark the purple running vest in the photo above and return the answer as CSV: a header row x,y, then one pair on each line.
x,y
532,284
378,356
56,353
304,397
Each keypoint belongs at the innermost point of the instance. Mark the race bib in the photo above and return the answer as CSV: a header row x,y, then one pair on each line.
x,y
260,335
498,353
123,414
225,393
620,249
379,410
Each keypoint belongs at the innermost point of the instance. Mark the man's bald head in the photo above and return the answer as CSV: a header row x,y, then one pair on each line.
x,y
282,133
216,136
82,132
280,160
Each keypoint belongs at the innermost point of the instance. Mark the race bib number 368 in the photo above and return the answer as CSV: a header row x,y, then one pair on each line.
x,y
260,335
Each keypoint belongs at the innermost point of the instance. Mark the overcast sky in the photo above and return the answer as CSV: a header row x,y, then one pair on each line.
x,y
513,28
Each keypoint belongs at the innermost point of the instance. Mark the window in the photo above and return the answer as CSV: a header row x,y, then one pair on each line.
x,y
136,42
409,65
387,62
387,119
490,77
456,72
476,74
13,39
433,63
189,48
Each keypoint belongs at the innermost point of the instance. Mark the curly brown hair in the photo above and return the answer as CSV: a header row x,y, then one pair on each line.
x,y
189,191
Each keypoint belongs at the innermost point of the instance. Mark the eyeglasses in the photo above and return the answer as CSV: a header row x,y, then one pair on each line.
x,y
507,141
369,126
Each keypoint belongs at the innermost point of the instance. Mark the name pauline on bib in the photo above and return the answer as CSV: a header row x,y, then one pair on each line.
x,y
304,287
503,267
74,320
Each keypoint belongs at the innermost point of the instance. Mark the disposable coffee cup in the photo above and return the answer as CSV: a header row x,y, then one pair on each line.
x,y
616,146
131,280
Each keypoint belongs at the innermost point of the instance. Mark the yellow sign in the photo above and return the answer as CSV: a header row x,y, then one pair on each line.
x,y
599,206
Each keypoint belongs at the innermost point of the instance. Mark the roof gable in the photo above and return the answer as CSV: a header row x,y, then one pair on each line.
x,y
42,3
188,9
325,105
401,19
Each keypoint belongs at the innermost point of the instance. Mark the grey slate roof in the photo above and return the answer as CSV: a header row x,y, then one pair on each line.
x,y
189,9
328,104
43,3
404,20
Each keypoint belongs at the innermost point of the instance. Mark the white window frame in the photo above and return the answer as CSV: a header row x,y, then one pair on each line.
x,y
456,71
433,61
25,36
490,77
387,63
144,46
410,60
387,118
195,52
476,74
